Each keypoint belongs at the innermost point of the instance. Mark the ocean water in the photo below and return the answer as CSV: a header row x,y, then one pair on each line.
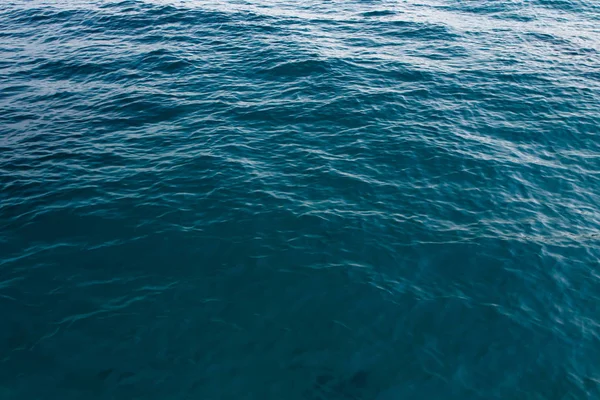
x,y
269,199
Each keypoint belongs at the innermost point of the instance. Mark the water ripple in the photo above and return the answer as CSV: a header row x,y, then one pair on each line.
x,y
270,199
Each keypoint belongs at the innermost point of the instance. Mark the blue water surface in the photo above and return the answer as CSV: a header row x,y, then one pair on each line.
x,y
276,199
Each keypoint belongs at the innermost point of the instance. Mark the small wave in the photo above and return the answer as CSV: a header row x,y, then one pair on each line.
x,y
379,13
298,68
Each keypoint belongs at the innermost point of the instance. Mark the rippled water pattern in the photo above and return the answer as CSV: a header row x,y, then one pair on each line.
x,y
308,200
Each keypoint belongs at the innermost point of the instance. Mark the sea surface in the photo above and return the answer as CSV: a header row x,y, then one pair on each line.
x,y
300,200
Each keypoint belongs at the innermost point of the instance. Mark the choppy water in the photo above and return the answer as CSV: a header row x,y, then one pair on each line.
x,y
300,200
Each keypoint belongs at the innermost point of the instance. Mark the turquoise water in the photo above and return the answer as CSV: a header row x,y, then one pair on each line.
x,y
309,200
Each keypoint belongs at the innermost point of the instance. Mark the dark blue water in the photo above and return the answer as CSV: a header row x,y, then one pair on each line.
x,y
375,200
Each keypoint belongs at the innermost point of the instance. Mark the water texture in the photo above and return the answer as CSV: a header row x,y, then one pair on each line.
x,y
309,200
